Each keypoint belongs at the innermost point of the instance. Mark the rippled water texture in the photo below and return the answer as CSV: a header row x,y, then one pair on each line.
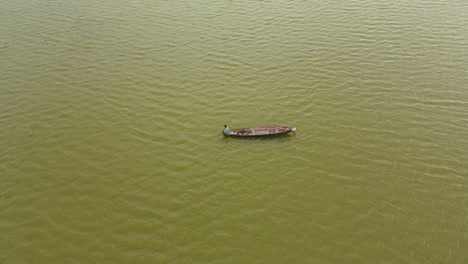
x,y
110,113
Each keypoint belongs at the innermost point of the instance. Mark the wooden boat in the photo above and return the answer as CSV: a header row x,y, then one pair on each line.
x,y
260,131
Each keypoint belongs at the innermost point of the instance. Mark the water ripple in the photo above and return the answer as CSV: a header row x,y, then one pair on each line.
x,y
110,144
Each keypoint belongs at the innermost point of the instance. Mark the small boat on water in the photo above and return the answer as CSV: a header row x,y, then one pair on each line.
x,y
260,131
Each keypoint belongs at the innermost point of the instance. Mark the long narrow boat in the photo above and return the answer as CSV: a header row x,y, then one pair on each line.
x,y
260,131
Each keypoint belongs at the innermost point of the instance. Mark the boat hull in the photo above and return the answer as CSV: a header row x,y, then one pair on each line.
x,y
261,131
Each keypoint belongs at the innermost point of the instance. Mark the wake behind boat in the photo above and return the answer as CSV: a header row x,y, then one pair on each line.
x,y
258,131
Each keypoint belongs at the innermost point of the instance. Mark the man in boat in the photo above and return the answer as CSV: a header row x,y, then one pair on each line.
x,y
226,130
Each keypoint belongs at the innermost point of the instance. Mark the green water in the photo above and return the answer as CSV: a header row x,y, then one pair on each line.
x,y
110,113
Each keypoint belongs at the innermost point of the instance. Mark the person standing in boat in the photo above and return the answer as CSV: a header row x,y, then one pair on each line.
x,y
226,130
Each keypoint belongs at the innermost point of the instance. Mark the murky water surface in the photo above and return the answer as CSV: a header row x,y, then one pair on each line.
x,y
110,113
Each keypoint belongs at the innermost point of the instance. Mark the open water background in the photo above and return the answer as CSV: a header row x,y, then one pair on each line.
x,y
110,113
